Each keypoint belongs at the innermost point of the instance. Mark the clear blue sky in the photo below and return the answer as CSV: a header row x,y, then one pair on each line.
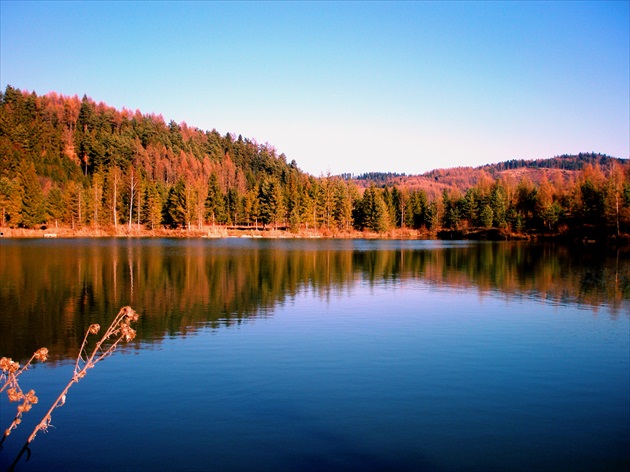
x,y
345,87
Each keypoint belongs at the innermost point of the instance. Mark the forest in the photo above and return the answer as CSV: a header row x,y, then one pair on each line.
x,y
71,162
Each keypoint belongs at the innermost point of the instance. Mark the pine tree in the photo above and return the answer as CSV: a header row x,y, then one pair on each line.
x,y
33,209
233,206
342,208
215,201
180,203
498,204
375,211
486,216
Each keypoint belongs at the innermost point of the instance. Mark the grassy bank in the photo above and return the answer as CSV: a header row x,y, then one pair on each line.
x,y
204,232
580,235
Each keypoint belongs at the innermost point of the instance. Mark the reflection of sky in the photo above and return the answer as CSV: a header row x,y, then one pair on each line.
x,y
403,377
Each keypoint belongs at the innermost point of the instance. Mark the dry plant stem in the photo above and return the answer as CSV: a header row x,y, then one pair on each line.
x,y
97,355
29,399
12,377
120,328
18,416
15,393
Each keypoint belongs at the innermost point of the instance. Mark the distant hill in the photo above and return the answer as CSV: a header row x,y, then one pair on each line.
x,y
564,162
558,169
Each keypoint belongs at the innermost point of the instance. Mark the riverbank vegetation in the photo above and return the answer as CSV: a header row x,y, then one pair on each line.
x,y
75,167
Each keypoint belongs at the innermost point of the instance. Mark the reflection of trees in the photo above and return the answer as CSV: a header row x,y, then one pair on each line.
x,y
50,295
556,273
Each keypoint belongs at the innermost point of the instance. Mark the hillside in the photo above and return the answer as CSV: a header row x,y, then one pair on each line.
x,y
83,166
559,169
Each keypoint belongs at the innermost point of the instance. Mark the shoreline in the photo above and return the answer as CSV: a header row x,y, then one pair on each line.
x,y
584,237
207,232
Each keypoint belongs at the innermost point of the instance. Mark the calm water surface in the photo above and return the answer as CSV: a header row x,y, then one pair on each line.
x,y
283,355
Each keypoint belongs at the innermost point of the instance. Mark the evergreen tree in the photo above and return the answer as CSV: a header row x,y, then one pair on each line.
x,y
307,207
486,216
374,211
215,201
293,203
470,207
233,206
498,204
324,201
432,216
419,206
451,215
388,198
33,209
180,204
342,205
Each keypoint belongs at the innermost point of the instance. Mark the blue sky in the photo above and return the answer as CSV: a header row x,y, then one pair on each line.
x,y
345,86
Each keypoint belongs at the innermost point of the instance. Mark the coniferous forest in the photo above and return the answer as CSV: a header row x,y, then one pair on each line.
x,y
74,163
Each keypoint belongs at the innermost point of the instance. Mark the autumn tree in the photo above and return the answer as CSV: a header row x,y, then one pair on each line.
x,y
118,166
153,205
55,206
132,187
74,205
96,194
10,202
615,213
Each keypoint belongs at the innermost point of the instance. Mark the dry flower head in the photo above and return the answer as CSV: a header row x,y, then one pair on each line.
x,y
41,354
9,366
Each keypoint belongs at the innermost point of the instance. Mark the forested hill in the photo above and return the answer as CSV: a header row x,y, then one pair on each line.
x,y
461,179
72,162
59,145
66,138
564,162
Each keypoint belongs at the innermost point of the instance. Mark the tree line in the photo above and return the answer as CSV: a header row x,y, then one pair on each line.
x,y
74,162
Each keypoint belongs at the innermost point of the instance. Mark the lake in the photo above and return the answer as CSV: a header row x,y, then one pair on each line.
x,y
323,355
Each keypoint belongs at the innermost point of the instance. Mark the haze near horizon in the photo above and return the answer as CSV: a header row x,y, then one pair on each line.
x,y
345,87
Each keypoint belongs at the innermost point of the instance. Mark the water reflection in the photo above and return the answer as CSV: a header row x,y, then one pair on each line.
x,y
51,291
